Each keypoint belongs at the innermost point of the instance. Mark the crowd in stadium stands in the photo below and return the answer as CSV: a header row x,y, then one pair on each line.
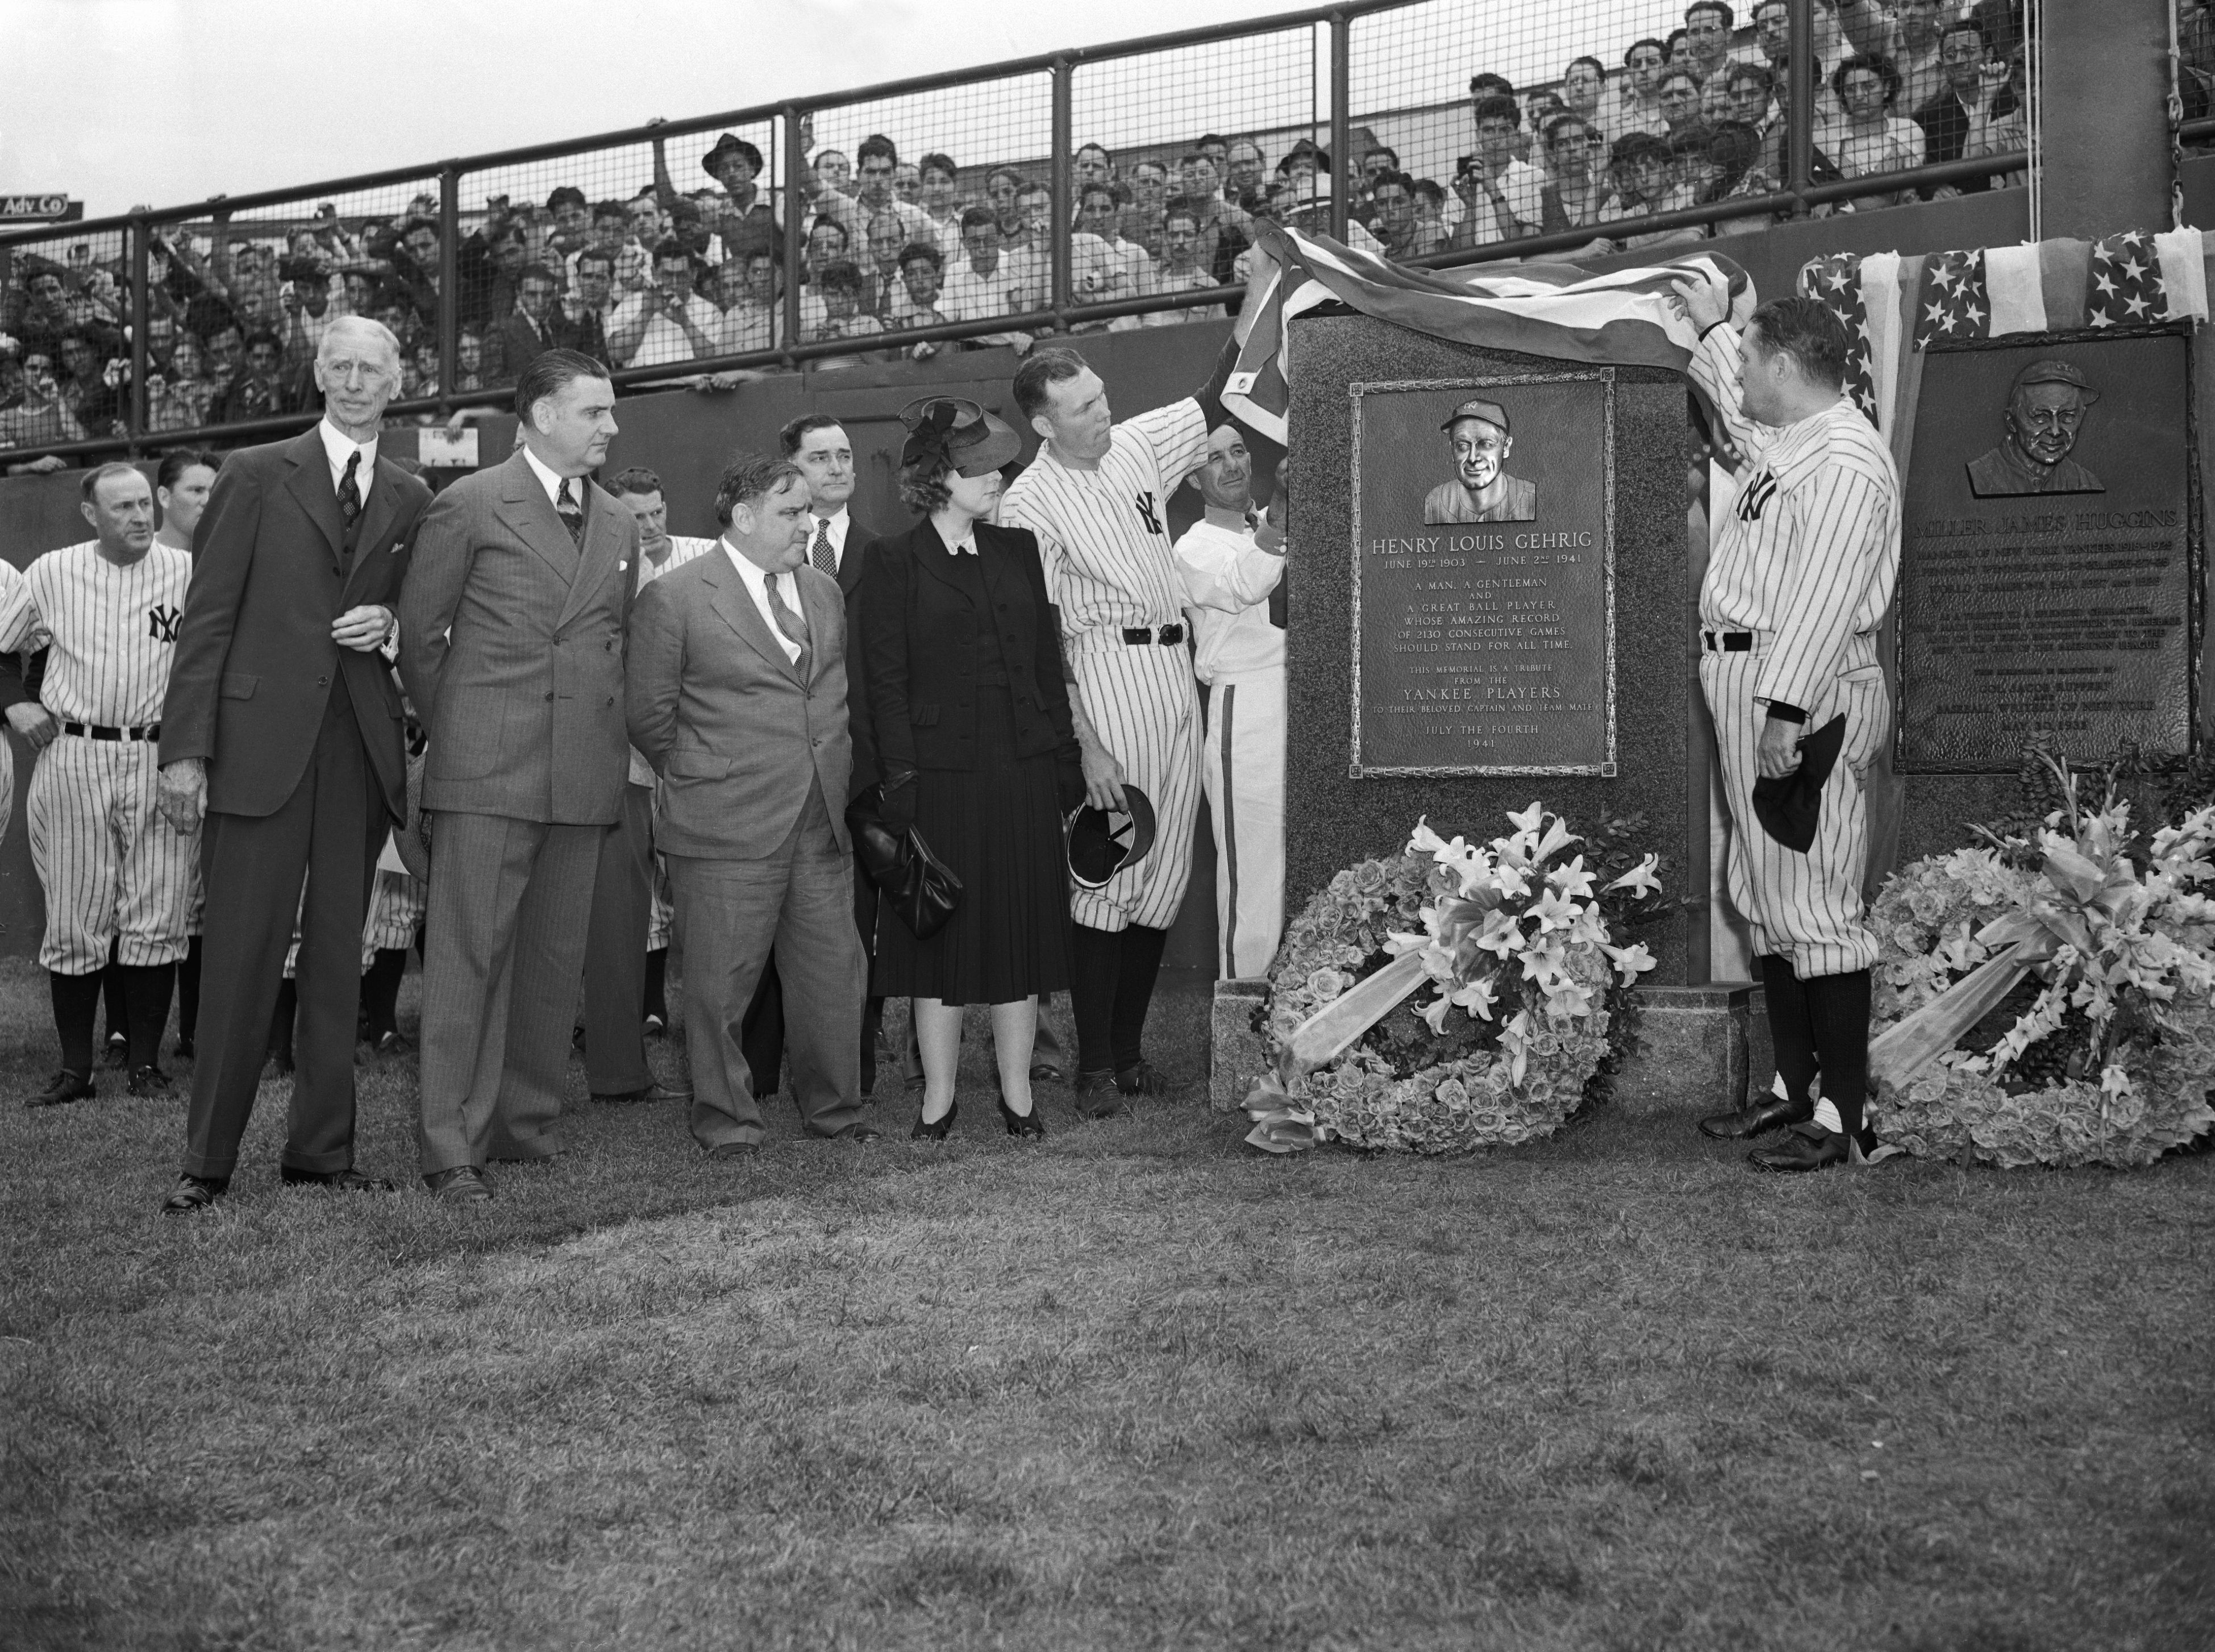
x,y
894,243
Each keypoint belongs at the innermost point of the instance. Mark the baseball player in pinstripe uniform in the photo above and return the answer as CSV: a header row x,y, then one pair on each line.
x,y
115,871
1096,496
1797,585
1232,570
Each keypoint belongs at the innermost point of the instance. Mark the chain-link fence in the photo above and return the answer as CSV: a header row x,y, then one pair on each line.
x,y
1102,188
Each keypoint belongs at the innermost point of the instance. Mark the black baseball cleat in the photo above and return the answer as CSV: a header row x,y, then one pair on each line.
x,y
1811,1147
192,1194
65,1086
1098,1096
1141,1080
1771,1112
148,1080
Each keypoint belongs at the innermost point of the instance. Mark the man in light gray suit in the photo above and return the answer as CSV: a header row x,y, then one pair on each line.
x,y
736,695
510,645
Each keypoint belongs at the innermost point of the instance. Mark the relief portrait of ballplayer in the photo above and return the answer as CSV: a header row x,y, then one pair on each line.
x,y
2045,416
1482,490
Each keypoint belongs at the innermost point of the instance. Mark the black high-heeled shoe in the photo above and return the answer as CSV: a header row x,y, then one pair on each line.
x,y
1019,1124
927,1131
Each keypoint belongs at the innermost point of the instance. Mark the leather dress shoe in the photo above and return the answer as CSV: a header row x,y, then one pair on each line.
x,y
859,1133
938,1129
465,1184
148,1080
345,1181
1098,1096
654,1091
1771,1112
63,1086
1141,1080
728,1150
654,1026
1809,1147
1045,1072
194,1193
390,1044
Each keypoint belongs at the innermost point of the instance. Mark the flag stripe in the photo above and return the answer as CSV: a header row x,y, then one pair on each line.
x,y
2064,268
2012,277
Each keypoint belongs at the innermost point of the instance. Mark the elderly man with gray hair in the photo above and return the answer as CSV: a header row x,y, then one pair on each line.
x,y
282,727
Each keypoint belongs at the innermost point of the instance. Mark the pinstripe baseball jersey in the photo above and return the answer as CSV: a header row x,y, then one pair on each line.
x,y
1810,549
682,549
113,629
1103,535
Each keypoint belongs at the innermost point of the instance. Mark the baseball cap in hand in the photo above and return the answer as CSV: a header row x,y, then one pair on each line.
x,y
1102,842
1789,807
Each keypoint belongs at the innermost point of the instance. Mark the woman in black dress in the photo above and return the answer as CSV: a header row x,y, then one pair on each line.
x,y
969,715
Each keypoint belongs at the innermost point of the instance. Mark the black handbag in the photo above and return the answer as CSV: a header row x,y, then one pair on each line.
x,y
921,888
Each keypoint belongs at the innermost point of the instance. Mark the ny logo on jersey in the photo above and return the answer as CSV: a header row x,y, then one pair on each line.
x,y
1756,496
1145,505
163,621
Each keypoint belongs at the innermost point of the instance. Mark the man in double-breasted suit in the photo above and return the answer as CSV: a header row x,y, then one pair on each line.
x,y
281,725
736,695
510,645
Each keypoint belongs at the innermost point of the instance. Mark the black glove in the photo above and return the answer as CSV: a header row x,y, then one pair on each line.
x,y
897,811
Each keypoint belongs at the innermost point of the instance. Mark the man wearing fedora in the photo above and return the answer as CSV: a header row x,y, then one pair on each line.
x,y
1801,577
2045,414
1481,491
735,693
283,725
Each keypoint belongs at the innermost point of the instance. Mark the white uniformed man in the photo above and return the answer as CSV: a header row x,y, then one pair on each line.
x,y
114,869
1097,498
1231,572
1799,580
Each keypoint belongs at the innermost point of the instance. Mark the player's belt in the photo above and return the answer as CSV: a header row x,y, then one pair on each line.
x,y
1727,642
1167,635
101,731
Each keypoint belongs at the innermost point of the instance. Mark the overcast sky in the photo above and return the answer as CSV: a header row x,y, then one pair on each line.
x,y
160,101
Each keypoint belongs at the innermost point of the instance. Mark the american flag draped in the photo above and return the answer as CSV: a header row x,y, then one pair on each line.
x,y
1625,316
1837,280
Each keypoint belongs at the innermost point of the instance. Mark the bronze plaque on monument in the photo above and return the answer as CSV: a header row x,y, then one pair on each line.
x,y
1484,576
2045,570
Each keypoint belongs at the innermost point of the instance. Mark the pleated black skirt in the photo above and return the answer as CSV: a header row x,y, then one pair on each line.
x,y
998,826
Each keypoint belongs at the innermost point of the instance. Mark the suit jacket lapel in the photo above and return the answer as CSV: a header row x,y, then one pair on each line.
x,y
743,615
524,508
850,561
310,483
376,517
597,557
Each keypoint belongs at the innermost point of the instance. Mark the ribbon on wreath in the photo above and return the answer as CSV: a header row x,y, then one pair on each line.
x,y
2078,887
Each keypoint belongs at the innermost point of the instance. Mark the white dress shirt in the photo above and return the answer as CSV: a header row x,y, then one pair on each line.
x,y
338,446
551,481
758,582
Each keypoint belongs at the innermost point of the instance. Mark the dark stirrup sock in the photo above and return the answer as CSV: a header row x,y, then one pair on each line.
x,y
657,986
1134,991
1095,963
280,1023
77,1002
116,1003
146,991
1791,1033
380,990
1838,1005
188,989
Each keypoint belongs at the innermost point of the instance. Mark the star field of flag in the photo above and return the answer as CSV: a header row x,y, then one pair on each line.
x,y
1836,282
2127,285
1955,306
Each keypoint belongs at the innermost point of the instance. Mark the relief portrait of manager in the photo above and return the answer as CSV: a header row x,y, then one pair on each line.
x,y
1482,490
2045,414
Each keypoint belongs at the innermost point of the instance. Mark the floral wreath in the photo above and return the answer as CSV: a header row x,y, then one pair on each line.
x,y
2102,1048
1515,938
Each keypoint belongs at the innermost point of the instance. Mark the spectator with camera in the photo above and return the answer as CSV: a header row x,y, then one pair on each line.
x,y
667,321
1502,199
833,312
42,415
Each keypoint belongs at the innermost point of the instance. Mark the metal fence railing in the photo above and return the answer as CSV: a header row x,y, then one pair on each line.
x,y
1098,188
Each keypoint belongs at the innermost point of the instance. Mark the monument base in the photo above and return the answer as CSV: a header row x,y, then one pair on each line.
x,y
1698,1047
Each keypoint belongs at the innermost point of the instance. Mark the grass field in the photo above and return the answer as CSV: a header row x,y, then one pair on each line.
x,y
1138,1387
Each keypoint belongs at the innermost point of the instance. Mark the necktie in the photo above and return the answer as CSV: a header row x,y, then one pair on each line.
x,y
819,553
350,489
794,627
572,514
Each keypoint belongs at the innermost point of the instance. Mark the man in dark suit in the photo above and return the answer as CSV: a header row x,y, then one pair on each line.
x,y
281,726
510,645
533,327
736,693
838,545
